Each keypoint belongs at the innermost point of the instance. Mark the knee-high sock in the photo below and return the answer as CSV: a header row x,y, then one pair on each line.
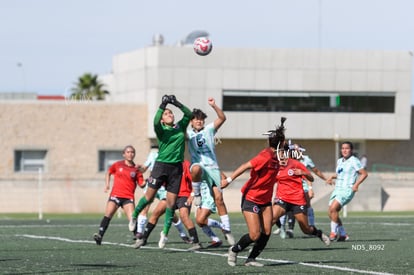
x,y
193,234
311,216
244,242
259,246
141,204
104,225
169,214
291,220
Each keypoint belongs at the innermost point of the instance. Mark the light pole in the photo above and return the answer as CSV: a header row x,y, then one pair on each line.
x,y
20,65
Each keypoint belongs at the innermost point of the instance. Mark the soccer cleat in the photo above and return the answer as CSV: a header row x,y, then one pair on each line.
x,y
229,237
214,244
325,239
98,238
195,247
252,262
163,240
277,231
132,224
140,242
343,238
186,239
289,233
332,236
232,257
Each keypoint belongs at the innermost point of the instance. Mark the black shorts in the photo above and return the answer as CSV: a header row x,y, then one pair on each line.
x,y
120,202
182,202
253,207
166,173
296,209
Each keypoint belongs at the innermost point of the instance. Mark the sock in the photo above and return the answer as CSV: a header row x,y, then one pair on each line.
x,y
207,230
196,188
141,204
142,221
148,229
225,220
180,228
259,246
316,232
244,242
104,225
193,234
169,214
311,216
215,224
282,222
341,230
291,220
278,224
334,227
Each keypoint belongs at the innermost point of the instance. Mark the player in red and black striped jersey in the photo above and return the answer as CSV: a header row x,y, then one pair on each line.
x,y
126,178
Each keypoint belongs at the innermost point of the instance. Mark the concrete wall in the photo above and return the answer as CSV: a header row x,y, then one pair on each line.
x,y
380,192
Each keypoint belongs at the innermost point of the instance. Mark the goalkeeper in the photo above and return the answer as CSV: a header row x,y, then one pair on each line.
x,y
168,167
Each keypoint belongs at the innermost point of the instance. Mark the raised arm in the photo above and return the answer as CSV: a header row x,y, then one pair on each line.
x,y
221,117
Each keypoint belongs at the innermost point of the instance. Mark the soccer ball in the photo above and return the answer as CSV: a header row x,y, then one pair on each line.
x,y
202,46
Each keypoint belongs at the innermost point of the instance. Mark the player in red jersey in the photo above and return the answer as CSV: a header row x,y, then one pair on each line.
x,y
290,195
257,197
126,178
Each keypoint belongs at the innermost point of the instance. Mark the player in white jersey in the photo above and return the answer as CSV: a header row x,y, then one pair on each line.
x,y
349,175
204,166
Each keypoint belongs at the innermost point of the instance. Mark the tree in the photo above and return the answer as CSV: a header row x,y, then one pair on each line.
x,y
89,87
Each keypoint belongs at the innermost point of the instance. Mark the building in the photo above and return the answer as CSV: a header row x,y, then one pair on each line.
x,y
327,95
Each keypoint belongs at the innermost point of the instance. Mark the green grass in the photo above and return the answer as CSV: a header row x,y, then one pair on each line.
x,y
62,244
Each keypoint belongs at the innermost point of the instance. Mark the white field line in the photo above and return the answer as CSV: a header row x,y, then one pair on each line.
x,y
322,266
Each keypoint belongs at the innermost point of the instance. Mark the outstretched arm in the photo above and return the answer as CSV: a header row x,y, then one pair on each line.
x,y
235,174
221,117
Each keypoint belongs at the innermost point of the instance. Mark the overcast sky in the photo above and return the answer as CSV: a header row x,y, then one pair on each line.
x,y
45,45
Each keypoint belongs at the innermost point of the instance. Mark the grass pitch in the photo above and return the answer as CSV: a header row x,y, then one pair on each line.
x,y
381,243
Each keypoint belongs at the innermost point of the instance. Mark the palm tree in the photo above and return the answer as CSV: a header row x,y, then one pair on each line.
x,y
89,87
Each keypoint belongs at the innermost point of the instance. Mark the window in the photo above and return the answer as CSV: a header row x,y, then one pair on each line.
x,y
295,101
29,160
107,158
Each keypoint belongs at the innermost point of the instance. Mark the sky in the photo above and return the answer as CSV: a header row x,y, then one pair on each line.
x,y
45,45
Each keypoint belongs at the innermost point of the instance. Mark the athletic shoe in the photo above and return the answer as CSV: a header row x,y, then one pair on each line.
x,y
132,224
163,240
229,237
325,239
214,244
98,238
252,262
332,236
186,239
289,233
195,247
232,257
282,233
140,242
343,238
277,231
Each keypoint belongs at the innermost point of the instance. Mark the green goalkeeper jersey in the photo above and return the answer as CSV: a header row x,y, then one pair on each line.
x,y
171,139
